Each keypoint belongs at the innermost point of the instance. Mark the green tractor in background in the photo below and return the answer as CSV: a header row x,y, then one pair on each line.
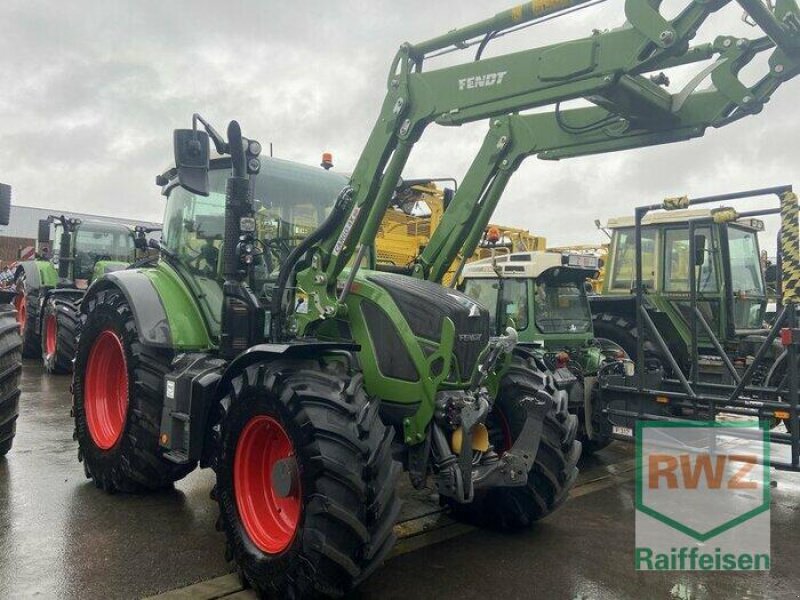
x,y
544,297
731,289
730,284
50,288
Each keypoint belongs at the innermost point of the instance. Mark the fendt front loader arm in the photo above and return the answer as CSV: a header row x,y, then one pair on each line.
x,y
607,68
585,131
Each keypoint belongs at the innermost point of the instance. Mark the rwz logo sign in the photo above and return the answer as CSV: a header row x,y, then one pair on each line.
x,y
702,496
686,471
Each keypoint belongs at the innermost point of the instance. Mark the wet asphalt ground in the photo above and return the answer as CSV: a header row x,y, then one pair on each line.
x,y
62,538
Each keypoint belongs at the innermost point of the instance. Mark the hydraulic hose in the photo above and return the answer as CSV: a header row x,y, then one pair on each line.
x,y
327,226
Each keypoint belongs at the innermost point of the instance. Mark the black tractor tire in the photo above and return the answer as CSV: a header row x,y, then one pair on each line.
x,y
134,462
343,494
10,371
601,428
27,305
555,468
576,405
623,331
58,345
620,330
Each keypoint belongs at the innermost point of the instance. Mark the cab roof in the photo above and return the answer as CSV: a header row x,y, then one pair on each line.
x,y
529,265
279,178
673,216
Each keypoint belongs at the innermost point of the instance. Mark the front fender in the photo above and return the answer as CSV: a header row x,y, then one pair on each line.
x,y
268,352
165,313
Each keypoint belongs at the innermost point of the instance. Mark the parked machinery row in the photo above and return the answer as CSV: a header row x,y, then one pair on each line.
x,y
265,340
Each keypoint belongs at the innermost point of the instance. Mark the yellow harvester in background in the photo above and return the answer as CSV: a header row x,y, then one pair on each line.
x,y
415,213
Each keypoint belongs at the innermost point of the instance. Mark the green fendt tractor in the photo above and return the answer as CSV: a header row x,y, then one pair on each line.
x,y
702,350
262,343
543,296
731,293
50,288
10,351
730,285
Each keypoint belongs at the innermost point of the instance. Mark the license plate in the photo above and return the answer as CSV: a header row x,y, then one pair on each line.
x,y
618,430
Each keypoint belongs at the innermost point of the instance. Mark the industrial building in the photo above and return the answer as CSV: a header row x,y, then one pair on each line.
x,y
18,238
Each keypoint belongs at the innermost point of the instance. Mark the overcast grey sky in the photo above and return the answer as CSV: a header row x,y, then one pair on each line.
x,y
90,92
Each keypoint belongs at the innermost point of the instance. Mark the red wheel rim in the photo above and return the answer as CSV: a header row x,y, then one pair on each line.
x,y
21,311
51,335
269,519
106,390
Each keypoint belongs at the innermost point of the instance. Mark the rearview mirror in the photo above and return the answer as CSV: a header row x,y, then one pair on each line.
x,y
699,250
191,160
447,197
43,234
5,203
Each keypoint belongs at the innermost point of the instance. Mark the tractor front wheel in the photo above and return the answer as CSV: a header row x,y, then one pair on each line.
x,y
305,480
60,323
118,391
555,468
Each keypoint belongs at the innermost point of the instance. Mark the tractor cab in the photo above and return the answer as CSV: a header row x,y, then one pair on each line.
x,y
290,201
729,277
83,250
542,293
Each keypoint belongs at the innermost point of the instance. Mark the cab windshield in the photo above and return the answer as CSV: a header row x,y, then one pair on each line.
x,y
290,201
513,299
623,276
561,306
95,242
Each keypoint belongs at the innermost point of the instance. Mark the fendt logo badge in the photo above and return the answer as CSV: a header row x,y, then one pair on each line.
x,y
480,81
702,497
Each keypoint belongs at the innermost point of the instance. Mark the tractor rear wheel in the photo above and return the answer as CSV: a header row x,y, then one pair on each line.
x,y
27,305
60,323
601,427
555,468
10,370
305,480
118,390
623,332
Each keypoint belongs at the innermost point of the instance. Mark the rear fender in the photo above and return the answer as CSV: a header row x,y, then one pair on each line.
x,y
104,267
38,274
622,306
166,314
